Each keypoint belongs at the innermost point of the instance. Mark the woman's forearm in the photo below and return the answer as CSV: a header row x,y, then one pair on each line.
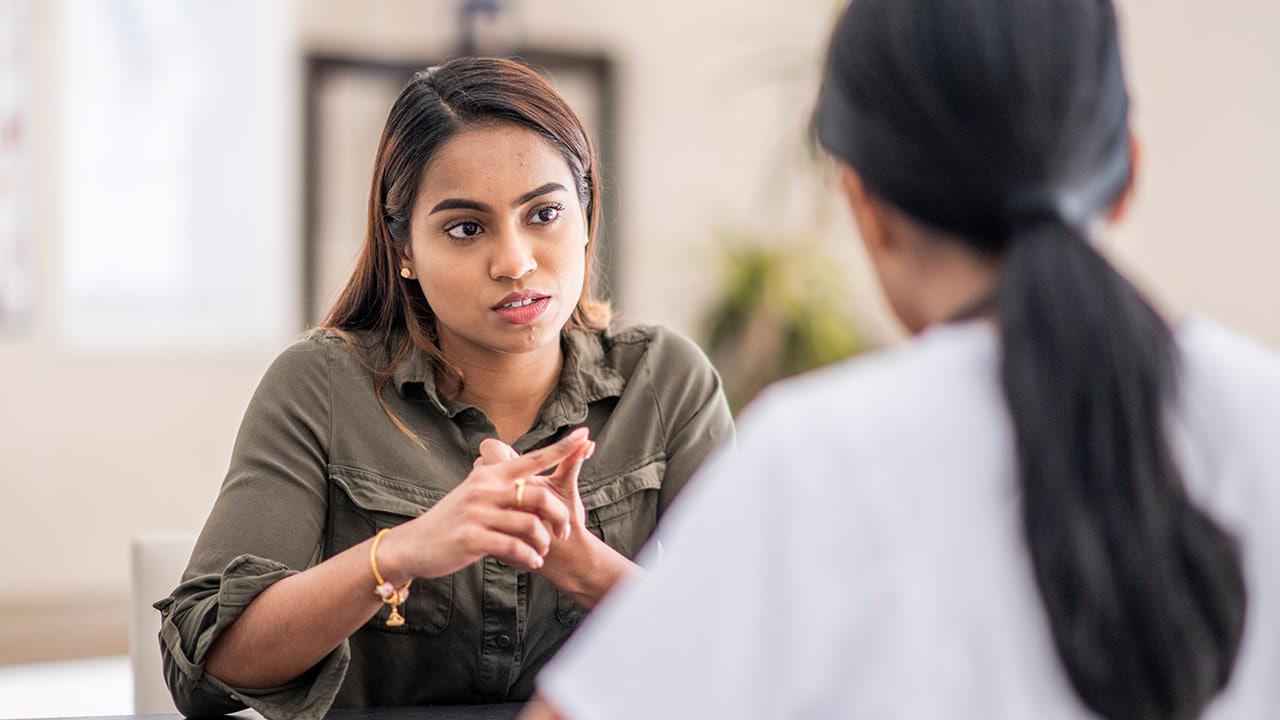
x,y
299,620
591,571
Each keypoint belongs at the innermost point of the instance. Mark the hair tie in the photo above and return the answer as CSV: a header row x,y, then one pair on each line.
x,y
1037,207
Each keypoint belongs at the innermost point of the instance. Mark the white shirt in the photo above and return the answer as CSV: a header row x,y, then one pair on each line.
x,y
862,555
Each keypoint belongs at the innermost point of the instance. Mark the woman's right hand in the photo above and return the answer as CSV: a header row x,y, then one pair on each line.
x,y
479,518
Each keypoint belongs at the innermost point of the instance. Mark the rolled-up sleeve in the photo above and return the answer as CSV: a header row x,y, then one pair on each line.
x,y
198,611
266,524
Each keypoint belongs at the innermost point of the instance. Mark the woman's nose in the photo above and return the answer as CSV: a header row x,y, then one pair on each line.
x,y
513,258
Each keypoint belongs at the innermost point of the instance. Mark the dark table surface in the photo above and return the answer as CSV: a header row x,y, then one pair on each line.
x,y
499,711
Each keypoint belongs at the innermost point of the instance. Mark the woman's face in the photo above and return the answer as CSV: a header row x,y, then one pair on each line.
x,y
498,241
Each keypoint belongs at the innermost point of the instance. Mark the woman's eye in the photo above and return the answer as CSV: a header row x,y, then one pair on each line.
x,y
546,215
463,230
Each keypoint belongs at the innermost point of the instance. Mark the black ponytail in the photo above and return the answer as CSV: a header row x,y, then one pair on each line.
x,y
1004,123
1144,594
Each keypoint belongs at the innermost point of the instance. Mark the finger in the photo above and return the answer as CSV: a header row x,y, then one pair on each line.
x,y
534,462
548,506
494,451
538,499
525,527
507,548
566,475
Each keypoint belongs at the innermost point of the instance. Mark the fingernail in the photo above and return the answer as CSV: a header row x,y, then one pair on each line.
x,y
591,450
537,561
577,434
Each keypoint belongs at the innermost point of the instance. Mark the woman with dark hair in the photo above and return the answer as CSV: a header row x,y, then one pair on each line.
x,y
385,534
1048,504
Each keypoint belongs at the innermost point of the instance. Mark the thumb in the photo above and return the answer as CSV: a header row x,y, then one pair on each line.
x,y
494,451
535,461
565,478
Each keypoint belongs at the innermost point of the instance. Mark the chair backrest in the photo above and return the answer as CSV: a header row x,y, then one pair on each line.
x,y
157,562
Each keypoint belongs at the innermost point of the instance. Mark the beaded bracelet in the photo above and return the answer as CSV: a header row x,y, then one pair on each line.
x,y
388,592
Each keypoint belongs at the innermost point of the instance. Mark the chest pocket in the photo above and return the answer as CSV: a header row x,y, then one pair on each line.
x,y
622,510
360,504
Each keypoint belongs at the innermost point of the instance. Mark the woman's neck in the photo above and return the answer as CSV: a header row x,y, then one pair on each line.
x,y
508,388
966,291
951,282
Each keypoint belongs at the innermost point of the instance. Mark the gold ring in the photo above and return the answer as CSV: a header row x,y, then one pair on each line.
x,y
520,492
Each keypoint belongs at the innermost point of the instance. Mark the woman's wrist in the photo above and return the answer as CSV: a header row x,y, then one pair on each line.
x,y
393,561
588,570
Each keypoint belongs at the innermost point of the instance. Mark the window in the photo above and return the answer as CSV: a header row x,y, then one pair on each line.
x,y
176,196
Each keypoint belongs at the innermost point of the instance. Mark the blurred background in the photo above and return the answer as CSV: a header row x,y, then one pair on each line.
x,y
183,186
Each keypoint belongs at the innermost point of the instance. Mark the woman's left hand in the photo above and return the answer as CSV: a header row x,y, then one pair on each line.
x,y
582,565
563,482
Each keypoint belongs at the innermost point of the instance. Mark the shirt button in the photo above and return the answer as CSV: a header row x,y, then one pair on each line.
x,y
504,641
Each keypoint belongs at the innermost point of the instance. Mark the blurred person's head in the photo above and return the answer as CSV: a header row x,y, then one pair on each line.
x,y
979,143
971,121
483,212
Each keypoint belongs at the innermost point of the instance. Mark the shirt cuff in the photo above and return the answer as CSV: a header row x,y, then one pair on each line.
x,y
199,611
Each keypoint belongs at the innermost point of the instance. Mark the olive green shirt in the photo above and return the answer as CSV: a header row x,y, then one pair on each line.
x,y
318,467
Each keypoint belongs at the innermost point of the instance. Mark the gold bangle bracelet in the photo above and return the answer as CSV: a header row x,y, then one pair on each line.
x,y
385,590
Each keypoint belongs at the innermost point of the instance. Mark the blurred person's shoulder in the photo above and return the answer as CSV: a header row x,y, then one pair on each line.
x,y
942,376
1229,412
1230,394
873,433
1232,363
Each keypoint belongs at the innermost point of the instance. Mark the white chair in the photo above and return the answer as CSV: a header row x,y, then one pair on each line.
x,y
157,562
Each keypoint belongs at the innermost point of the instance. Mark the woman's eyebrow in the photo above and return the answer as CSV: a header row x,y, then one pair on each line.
x,y
459,204
541,190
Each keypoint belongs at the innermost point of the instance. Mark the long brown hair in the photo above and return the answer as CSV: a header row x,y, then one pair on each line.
x,y
436,104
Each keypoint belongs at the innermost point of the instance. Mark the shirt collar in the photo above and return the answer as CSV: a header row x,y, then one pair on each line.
x,y
585,377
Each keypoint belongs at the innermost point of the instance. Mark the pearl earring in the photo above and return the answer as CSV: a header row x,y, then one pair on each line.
x,y
406,273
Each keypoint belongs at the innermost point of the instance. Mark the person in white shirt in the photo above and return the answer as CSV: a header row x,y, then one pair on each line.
x,y
1048,504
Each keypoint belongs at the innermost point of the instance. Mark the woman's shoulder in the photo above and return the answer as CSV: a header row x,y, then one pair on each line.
x,y
1230,382
302,363
947,368
1229,409
1213,352
310,358
660,347
662,364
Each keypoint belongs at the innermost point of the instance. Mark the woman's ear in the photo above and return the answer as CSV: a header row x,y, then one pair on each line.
x,y
406,262
1121,207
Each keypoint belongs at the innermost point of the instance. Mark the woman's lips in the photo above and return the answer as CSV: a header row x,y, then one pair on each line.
x,y
523,312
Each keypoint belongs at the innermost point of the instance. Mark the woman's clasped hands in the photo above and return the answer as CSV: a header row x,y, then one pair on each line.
x,y
505,509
